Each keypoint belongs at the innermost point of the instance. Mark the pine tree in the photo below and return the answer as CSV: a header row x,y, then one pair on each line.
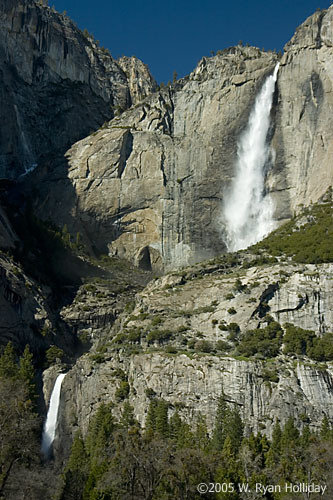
x,y
27,372
8,366
201,434
273,454
150,424
162,423
100,430
290,434
229,472
219,433
127,417
186,438
78,457
175,424
325,429
234,428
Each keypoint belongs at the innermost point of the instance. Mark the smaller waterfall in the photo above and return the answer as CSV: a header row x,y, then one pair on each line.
x,y
52,417
248,211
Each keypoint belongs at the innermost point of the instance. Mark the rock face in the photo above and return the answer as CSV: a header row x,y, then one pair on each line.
x,y
194,384
25,314
53,76
150,185
303,131
192,305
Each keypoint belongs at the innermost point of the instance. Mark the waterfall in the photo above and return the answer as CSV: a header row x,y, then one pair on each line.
x,y
248,211
52,415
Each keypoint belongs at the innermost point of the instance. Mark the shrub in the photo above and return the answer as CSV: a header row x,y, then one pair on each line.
x,y
123,391
170,349
150,393
54,353
134,335
203,346
232,310
311,242
159,335
191,343
264,341
233,328
221,345
305,342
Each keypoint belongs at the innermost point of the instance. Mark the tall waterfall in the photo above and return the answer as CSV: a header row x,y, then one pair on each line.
x,y
52,416
248,211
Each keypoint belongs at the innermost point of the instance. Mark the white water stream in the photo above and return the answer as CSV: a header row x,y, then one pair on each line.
x,y
52,417
248,211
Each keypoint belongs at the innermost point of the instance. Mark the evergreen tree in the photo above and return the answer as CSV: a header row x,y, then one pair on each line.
x,y
127,417
325,429
26,372
219,433
201,434
273,454
175,424
229,471
150,424
8,367
290,434
186,438
75,474
162,423
100,431
234,427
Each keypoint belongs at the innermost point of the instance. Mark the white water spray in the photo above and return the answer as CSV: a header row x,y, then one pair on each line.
x,y
248,211
52,417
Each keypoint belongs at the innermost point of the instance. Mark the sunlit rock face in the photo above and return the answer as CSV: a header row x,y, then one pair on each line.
x,y
304,121
57,85
151,184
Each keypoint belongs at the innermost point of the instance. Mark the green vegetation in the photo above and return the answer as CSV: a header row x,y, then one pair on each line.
x,y
18,421
169,457
54,353
159,336
306,343
123,390
263,341
310,241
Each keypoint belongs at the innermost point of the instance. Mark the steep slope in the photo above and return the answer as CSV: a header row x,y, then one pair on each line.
x,y
150,185
54,77
248,324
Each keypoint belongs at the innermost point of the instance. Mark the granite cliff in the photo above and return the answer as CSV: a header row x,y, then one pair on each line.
x,y
113,240
149,185
54,75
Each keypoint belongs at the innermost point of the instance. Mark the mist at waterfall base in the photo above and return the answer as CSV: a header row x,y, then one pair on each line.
x,y
248,211
52,418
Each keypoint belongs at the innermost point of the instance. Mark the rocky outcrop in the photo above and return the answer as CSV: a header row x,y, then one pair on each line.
x,y
140,81
54,76
25,314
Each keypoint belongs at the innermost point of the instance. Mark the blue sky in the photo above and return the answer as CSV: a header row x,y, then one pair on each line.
x,y
173,35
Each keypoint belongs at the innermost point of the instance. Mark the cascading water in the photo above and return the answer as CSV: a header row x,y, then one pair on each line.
x,y
248,211
52,416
